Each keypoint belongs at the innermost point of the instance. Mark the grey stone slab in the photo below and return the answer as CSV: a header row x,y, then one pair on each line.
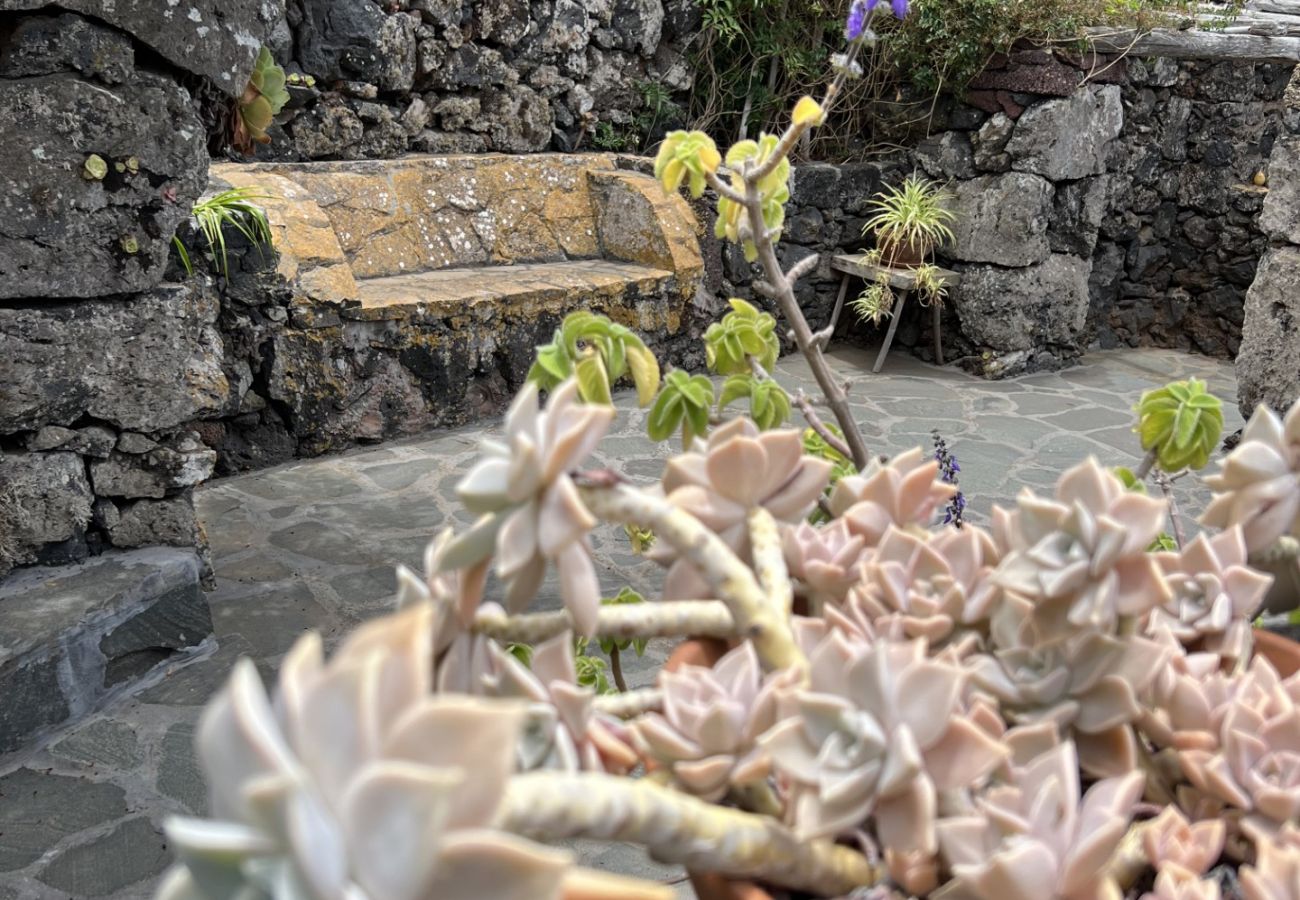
x,y
179,776
322,543
132,852
398,475
69,635
193,684
40,809
104,743
272,620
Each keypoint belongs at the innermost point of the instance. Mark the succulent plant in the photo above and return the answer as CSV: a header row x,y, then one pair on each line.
x,y
707,735
263,98
1169,839
1214,594
924,586
1256,764
742,333
825,558
1180,423
357,782
530,508
1088,685
1081,558
597,352
1276,872
1258,484
904,492
683,403
740,469
561,730
1035,837
773,189
878,735
1173,882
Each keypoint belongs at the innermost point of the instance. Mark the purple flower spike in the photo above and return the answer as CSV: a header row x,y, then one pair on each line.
x,y
899,7
857,19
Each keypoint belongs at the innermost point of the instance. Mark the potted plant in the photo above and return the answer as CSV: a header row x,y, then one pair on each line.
x,y
909,223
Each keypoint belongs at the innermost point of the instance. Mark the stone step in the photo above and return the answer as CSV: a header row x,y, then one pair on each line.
x,y
456,290
71,637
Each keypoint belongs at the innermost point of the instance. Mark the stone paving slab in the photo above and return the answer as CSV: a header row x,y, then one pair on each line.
x,y
312,545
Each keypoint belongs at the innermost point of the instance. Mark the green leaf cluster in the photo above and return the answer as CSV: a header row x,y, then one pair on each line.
x,y
769,404
622,598
1182,423
598,351
686,156
841,466
774,192
740,334
683,403
263,98
913,214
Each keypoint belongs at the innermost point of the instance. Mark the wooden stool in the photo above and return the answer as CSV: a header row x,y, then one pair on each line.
x,y
903,281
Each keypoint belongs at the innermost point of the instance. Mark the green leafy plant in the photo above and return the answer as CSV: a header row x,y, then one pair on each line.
x,y
592,671
769,404
598,351
875,302
773,191
910,219
740,335
683,403
686,156
1180,424
236,208
262,100
841,466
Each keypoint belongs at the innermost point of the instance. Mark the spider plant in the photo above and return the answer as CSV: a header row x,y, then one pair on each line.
x,y
910,221
877,300
234,207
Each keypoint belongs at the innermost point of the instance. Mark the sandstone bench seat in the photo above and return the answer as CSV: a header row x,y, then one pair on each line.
x,y
418,287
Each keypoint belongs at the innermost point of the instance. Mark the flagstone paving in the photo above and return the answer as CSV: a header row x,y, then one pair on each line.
x,y
313,544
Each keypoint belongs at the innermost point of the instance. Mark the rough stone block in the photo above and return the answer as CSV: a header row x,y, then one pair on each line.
x,y
1068,138
165,367
65,232
159,472
1280,217
217,39
1040,307
1077,213
1001,219
1268,364
70,635
148,523
44,499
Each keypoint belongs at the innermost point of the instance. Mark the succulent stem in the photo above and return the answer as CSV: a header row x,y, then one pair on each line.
x,y
754,615
630,704
1144,467
678,828
769,561
676,618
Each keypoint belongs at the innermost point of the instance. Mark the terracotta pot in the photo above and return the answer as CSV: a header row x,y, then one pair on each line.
x,y
709,886
1282,652
899,254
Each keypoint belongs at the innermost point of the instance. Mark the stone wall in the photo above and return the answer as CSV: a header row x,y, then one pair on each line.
x,y
446,76
102,365
1120,212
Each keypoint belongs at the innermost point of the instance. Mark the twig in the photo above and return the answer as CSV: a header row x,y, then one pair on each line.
x,y
816,424
1144,468
676,828
677,618
616,669
735,584
769,561
1175,520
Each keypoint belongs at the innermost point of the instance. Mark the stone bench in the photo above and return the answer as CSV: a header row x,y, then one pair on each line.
x,y
417,281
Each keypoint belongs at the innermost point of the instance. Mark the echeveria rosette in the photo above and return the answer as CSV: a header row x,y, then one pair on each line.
x,y
530,508
1255,766
740,469
1213,595
562,730
824,557
707,735
925,585
304,793
1276,872
1169,840
1258,484
1035,837
904,492
1088,685
878,734
1080,558
1173,882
